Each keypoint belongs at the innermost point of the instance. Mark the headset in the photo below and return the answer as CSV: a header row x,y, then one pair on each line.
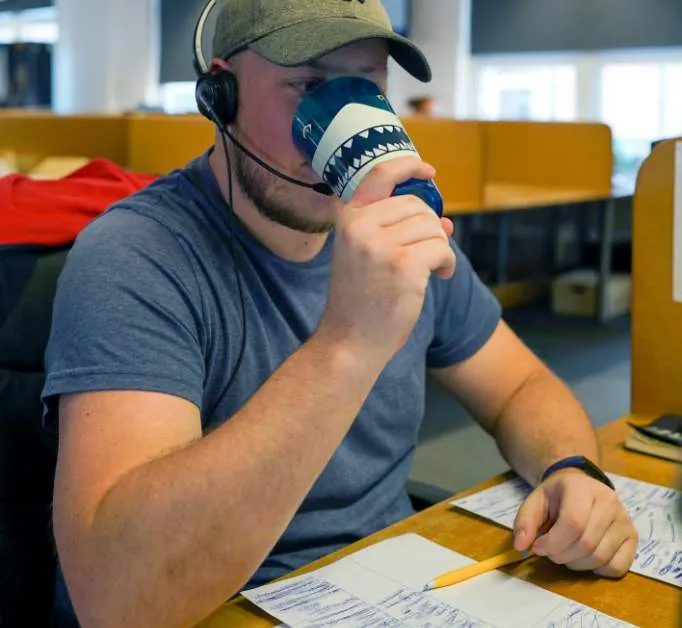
x,y
217,96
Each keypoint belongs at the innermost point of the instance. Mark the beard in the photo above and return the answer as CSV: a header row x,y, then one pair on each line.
x,y
271,197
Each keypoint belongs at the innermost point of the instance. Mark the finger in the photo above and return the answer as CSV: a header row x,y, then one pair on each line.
x,y
415,229
617,534
387,212
448,226
599,525
574,515
529,520
434,254
383,178
622,560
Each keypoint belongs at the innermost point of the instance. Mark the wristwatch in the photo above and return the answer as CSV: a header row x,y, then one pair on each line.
x,y
582,463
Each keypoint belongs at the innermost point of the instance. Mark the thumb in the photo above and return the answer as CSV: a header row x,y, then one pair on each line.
x,y
530,519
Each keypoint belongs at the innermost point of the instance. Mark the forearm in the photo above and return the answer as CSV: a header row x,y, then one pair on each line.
x,y
542,423
180,535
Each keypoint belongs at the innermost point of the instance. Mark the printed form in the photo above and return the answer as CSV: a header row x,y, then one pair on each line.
x,y
652,508
381,586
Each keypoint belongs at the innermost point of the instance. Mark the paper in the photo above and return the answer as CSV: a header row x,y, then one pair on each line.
x,y
381,586
652,508
677,226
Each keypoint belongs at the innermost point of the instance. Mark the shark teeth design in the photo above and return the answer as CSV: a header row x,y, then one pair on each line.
x,y
361,150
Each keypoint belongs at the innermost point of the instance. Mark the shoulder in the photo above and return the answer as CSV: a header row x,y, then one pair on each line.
x,y
123,235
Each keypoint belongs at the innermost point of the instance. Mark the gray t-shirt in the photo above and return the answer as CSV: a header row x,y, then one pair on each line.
x,y
148,300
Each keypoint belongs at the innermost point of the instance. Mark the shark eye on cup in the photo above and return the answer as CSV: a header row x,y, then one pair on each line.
x,y
345,127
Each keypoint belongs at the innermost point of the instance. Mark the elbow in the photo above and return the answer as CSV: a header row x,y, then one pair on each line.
x,y
97,595
84,584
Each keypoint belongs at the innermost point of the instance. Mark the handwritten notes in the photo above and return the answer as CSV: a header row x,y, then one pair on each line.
x,y
381,587
652,508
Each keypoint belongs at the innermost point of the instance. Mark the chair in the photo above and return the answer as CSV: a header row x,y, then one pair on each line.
x,y
28,278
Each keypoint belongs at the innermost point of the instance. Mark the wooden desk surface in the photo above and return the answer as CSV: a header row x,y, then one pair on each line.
x,y
508,197
636,599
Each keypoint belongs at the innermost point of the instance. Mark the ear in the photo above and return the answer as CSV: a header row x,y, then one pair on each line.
x,y
220,64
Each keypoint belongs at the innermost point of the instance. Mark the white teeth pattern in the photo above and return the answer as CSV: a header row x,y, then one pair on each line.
x,y
367,156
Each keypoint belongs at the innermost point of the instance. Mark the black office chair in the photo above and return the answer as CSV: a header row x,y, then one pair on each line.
x,y
28,278
423,495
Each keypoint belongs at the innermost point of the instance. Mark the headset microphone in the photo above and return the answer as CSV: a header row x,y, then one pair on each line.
x,y
320,188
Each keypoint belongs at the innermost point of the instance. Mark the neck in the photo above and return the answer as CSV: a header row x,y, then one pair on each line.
x,y
291,245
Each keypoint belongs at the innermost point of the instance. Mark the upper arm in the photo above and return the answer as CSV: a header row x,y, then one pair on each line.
x,y
105,435
125,364
489,379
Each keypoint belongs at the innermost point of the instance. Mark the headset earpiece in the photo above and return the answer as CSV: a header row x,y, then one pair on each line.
x,y
217,97
216,92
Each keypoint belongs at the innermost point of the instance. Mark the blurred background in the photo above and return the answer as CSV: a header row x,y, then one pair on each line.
x,y
612,61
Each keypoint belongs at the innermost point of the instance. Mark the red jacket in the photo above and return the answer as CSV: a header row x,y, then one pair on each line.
x,y
52,213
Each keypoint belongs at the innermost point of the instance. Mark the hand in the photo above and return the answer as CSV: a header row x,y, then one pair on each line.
x,y
588,529
385,251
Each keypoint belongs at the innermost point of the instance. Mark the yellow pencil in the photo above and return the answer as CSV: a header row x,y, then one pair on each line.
x,y
464,573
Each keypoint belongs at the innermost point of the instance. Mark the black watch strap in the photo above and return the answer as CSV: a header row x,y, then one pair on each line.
x,y
582,463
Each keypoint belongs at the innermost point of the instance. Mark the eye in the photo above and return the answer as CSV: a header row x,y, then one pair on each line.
x,y
304,86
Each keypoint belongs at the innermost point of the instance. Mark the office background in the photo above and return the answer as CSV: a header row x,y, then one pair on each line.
x,y
616,61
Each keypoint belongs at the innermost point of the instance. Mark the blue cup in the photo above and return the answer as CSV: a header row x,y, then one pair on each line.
x,y
345,127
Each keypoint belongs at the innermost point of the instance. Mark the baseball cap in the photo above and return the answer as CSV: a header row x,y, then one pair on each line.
x,y
295,32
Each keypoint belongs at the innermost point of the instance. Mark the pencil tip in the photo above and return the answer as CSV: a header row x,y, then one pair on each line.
x,y
427,587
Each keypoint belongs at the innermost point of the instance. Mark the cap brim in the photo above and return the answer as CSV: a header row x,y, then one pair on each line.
x,y
303,42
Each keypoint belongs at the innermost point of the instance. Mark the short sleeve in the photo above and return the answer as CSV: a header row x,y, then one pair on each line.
x,y
126,316
466,315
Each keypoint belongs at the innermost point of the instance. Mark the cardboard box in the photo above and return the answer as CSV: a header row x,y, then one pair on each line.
x,y
575,294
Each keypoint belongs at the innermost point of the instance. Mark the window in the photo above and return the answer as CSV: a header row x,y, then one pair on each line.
x,y
178,98
8,29
672,101
642,102
38,26
638,93
540,92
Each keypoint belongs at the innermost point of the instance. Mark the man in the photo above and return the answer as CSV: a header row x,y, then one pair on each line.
x,y
175,490
422,107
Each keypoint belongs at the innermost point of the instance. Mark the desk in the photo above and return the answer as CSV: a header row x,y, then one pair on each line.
x,y
641,601
502,198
